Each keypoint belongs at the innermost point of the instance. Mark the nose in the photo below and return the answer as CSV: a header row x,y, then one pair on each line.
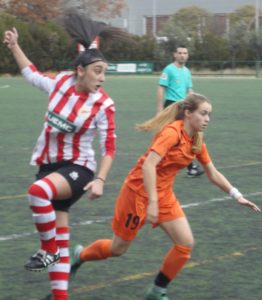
x,y
103,77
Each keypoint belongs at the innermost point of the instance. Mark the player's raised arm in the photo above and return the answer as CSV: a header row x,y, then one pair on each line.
x,y
11,41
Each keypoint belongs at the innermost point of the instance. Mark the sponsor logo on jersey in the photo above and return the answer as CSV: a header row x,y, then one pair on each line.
x,y
59,123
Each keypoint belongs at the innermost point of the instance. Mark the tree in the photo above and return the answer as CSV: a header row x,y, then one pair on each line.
x,y
244,15
37,11
99,8
191,23
244,42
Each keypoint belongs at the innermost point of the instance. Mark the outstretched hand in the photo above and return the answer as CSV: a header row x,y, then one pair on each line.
x,y
248,203
10,38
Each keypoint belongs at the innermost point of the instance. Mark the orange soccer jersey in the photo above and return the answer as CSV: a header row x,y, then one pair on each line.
x,y
175,147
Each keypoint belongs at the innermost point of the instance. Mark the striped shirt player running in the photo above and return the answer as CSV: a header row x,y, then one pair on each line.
x,y
77,108
147,192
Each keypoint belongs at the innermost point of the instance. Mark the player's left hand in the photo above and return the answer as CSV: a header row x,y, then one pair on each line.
x,y
248,203
94,189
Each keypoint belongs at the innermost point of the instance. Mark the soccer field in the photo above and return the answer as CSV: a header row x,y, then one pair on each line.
x,y
226,261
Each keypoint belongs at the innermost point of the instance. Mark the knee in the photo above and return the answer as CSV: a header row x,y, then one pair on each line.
x,y
187,242
118,250
182,251
119,247
32,193
31,189
190,243
43,189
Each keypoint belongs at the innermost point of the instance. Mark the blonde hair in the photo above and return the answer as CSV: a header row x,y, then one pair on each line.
x,y
175,112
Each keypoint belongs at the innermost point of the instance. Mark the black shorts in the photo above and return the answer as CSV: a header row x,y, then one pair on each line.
x,y
168,102
77,176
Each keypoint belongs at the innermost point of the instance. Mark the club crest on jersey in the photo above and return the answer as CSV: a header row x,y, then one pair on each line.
x,y
83,112
59,123
74,175
164,76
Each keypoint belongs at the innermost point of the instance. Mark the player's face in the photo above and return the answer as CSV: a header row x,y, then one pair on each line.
x,y
200,118
181,56
91,77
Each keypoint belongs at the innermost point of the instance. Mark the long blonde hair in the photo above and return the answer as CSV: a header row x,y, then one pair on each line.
x,y
175,112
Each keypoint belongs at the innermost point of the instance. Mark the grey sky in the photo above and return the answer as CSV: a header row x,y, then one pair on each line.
x,y
132,17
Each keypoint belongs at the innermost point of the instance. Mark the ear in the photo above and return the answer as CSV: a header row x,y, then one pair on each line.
x,y
187,113
80,71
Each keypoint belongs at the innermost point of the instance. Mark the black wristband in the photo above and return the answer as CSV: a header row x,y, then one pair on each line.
x,y
100,178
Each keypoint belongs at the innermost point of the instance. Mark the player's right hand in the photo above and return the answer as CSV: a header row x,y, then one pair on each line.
x,y
10,38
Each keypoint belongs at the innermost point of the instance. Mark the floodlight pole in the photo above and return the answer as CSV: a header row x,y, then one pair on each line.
x,y
154,18
257,17
257,36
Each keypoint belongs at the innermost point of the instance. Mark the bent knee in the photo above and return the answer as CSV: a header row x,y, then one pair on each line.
x,y
118,251
119,246
188,246
190,243
187,242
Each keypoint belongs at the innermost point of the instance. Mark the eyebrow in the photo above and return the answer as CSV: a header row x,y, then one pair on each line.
x,y
98,67
206,111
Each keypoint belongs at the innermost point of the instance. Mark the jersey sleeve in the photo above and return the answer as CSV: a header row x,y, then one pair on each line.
x,y
106,128
38,79
203,157
164,141
190,83
164,78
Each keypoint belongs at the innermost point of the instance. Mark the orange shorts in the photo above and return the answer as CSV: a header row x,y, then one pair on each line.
x,y
130,213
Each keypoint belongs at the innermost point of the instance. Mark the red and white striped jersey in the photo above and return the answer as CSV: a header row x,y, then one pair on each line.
x,y
71,121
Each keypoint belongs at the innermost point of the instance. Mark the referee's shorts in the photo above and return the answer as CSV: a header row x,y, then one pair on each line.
x,y
169,102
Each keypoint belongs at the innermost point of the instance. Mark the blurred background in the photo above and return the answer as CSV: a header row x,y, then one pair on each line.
x,y
224,37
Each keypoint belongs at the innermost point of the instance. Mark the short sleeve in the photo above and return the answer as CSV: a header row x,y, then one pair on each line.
x,y
190,83
164,78
164,141
203,157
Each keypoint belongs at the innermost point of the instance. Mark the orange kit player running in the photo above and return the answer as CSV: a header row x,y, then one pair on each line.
x,y
147,193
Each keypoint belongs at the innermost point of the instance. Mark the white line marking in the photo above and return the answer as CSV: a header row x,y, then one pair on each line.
x,y
218,200
104,219
4,86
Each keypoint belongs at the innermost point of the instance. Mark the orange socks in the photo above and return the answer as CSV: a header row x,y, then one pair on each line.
x,y
175,260
100,249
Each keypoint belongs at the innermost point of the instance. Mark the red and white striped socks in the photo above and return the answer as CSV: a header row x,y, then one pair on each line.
x,y
59,273
40,194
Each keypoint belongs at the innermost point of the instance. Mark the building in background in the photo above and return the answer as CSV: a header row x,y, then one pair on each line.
x,y
139,15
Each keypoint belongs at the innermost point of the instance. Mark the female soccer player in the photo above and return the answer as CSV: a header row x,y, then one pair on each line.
x,y
147,193
77,108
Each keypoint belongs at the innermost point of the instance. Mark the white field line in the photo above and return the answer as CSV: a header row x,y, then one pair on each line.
x,y
6,86
104,219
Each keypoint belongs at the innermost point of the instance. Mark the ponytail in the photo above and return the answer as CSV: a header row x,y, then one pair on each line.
x,y
157,123
84,30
